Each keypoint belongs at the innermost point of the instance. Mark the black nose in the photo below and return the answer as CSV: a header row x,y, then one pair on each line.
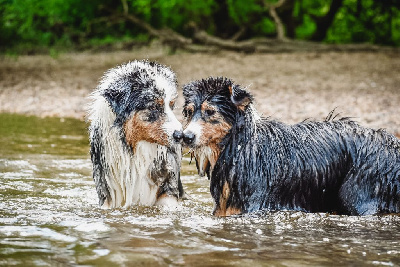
x,y
188,138
177,135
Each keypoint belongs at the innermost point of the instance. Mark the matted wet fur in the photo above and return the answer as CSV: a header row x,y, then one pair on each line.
x,y
134,155
255,163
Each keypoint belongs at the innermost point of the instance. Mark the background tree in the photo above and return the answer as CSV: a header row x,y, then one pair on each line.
x,y
39,25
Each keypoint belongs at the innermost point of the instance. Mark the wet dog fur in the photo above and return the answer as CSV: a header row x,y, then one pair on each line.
x,y
256,163
134,155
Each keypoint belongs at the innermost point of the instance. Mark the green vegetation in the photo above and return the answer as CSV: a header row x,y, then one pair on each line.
x,y
41,25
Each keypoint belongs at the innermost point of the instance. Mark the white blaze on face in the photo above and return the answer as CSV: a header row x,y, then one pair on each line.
x,y
171,123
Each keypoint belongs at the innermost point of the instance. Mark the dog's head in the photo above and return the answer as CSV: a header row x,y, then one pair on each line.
x,y
210,110
142,95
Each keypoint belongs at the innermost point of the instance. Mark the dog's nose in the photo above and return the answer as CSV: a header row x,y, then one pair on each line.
x,y
188,137
177,135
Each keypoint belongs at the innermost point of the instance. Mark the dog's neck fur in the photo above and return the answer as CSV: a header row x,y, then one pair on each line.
x,y
244,130
127,171
206,158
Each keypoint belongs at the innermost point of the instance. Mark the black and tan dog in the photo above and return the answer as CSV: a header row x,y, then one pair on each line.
x,y
135,136
255,163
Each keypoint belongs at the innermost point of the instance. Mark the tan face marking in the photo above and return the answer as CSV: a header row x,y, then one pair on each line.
x,y
214,126
222,209
136,130
214,129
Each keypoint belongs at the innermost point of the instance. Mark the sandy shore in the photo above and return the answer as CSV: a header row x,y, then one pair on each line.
x,y
288,87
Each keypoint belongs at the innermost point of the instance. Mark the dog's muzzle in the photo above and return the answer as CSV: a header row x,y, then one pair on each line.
x,y
188,138
177,135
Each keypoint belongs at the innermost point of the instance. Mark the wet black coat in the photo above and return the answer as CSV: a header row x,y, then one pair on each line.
x,y
331,166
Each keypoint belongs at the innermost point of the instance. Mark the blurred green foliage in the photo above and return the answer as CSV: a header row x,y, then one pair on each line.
x,y
31,25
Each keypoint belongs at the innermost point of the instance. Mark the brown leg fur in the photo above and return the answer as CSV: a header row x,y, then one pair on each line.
x,y
222,209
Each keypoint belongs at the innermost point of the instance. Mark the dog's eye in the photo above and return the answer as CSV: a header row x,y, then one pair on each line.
x,y
188,113
209,112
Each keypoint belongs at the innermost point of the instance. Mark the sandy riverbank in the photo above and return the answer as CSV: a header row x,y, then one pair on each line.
x,y
289,87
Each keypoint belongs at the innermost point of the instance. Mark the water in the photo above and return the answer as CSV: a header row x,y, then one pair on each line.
x,y
49,217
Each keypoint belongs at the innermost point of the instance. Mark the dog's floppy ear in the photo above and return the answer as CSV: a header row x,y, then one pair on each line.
x,y
239,97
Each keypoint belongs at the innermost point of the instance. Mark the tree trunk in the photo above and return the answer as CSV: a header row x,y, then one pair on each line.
x,y
280,29
325,22
285,12
224,27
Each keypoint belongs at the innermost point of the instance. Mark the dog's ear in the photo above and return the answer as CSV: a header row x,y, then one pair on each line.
x,y
239,97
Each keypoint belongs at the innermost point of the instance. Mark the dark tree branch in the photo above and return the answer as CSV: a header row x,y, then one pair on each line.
x,y
166,35
211,43
239,33
108,20
205,38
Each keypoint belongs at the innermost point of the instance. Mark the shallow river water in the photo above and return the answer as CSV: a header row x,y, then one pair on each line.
x,y
49,217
